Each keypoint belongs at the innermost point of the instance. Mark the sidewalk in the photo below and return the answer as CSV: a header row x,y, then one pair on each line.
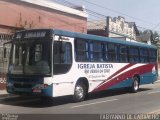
x,y
3,92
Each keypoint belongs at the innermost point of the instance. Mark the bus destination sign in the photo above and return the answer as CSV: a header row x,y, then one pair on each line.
x,y
32,34
35,34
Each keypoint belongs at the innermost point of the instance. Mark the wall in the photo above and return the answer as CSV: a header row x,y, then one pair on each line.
x,y
17,15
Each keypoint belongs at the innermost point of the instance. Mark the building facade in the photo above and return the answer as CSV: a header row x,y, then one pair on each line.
x,y
115,27
27,14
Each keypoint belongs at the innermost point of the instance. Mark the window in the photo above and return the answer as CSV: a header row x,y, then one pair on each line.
x,y
112,53
18,55
152,56
105,52
143,55
123,54
62,56
96,51
31,58
38,52
82,50
133,55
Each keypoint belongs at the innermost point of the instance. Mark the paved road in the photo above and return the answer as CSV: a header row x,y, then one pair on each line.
x,y
147,100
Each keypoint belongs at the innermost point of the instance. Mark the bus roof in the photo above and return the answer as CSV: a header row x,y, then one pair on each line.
x,y
100,38
91,37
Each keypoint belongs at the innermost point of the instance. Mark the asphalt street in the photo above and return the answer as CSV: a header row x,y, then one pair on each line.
x,y
116,101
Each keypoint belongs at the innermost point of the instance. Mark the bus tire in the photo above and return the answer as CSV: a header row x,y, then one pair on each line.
x,y
80,92
135,85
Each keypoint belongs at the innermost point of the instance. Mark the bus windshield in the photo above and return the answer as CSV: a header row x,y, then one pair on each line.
x,y
31,58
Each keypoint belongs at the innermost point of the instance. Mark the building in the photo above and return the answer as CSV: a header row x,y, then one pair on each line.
x,y
28,14
114,27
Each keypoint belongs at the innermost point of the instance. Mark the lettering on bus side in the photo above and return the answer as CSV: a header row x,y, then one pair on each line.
x,y
95,68
92,66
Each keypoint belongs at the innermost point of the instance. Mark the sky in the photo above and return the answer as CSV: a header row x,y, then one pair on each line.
x,y
145,13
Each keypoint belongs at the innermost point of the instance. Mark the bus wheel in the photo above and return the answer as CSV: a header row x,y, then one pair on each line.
x,y
135,85
80,92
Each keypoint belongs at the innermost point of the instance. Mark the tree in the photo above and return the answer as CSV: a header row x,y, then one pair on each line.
x,y
155,38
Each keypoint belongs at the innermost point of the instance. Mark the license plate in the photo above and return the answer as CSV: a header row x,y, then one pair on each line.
x,y
37,90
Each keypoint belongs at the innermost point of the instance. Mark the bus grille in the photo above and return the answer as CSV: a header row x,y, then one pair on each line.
x,y
19,85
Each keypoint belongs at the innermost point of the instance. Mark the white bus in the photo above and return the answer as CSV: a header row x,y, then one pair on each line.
x,y
52,63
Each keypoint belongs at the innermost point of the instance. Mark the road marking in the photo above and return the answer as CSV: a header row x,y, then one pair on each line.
x,y
93,103
154,92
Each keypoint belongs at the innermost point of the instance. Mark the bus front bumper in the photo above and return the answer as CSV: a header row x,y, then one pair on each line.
x,y
30,89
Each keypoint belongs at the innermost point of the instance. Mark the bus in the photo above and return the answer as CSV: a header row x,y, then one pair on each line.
x,y
53,63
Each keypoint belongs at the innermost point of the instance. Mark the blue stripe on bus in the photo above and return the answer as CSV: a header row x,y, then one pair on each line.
x,y
144,79
125,83
148,78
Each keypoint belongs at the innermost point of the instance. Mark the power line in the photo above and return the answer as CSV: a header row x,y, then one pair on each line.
x,y
156,26
118,12
93,13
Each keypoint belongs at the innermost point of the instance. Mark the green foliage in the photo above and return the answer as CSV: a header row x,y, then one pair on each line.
x,y
154,36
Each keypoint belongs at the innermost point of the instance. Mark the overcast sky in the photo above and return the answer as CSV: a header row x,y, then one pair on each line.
x,y
146,13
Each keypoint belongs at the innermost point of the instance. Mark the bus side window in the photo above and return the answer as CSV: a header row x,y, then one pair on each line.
x,y
62,56
152,56
133,55
96,49
105,52
144,55
62,53
67,54
112,53
82,50
123,54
